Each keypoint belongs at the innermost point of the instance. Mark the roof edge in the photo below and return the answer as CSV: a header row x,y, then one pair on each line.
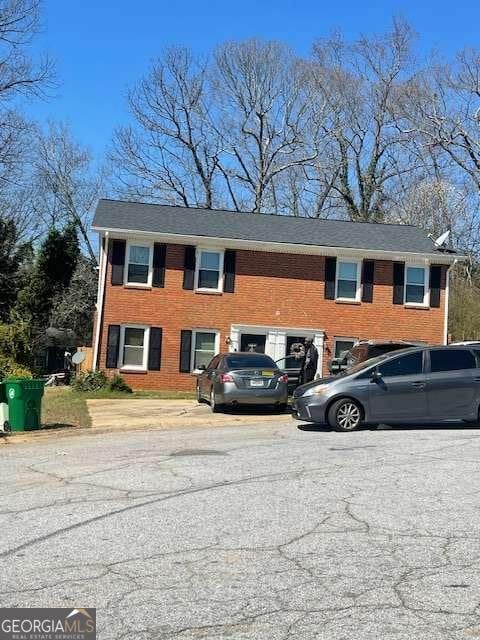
x,y
283,247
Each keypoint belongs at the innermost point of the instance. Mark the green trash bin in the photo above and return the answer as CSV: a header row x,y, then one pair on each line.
x,y
24,399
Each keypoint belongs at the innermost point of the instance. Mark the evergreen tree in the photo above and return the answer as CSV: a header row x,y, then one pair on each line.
x,y
12,258
49,276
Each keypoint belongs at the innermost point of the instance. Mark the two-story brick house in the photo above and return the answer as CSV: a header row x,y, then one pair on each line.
x,y
177,285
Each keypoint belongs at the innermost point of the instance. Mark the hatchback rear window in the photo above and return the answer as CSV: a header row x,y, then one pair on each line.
x,y
451,360
247,362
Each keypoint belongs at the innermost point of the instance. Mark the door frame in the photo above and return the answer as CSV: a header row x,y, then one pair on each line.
x,y
276,339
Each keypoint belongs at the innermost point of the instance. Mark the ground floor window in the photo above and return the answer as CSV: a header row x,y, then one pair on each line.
x,y
342,345
204,347
253,342
134,343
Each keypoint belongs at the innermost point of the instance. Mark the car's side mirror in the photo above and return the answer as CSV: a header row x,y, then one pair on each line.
x,y
201,367
376,376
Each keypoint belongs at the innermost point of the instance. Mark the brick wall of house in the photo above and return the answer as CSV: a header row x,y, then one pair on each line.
x,y
271,289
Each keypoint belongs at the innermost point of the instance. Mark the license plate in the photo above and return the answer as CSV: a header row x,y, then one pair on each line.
x,y
256,383
267,374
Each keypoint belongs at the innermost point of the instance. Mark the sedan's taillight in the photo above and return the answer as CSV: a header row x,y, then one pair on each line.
x,y
225,377
283,378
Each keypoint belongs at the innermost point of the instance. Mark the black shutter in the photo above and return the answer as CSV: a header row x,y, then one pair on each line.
x,y
189,268
159,253
330,272
398,282
118,261
368,275
229,271
435,281
185,350
113,345
155,349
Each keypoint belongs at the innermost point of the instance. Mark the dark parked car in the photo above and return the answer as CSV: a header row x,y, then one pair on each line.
x,y
242,378
364,350
422,384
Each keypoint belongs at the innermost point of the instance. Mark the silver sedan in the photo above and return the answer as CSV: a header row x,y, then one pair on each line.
x,y
233,379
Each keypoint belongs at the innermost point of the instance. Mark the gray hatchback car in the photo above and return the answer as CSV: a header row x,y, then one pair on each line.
x,y
421,384
242,378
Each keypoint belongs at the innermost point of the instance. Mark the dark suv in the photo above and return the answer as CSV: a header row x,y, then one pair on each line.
x,y
364,350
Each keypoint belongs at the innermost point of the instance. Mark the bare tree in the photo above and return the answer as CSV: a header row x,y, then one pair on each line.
x,y
442,108
265,120
66,186
172,152
367,160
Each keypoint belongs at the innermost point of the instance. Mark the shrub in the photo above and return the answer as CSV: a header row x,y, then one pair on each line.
x,y
90,381
11,369
117,383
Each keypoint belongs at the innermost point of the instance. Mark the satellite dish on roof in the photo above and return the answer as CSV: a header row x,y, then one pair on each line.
x,y
78,357
441,240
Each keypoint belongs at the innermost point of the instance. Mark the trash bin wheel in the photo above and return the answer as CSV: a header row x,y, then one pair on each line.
x,y
7,427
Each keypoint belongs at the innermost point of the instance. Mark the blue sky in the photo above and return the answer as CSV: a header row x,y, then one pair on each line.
x,y
102,47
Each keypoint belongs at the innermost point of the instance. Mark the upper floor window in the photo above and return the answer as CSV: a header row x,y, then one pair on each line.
x,y
208,276
416,291
139,265
348,280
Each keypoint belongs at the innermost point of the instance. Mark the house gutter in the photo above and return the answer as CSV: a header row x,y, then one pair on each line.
x,y
283,247
100,295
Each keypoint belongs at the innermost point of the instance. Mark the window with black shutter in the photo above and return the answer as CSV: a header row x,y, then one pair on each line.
x,y
368,274
155,349
113,345
185,350
435,284
189,268
117,257
229,271
330,273
159,256
398,282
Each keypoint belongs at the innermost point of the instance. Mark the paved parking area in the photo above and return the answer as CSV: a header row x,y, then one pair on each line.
x,y
163,414
260,531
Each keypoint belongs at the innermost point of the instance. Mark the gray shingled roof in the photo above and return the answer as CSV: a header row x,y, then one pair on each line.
x,y
134,216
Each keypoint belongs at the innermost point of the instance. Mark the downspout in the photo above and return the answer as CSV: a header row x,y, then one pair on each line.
x,y
447,300
100,296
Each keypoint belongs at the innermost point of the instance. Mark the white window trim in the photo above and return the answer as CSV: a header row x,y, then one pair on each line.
x,y
198,255
194,342
139,243
146,343
426,291
342,339
358,292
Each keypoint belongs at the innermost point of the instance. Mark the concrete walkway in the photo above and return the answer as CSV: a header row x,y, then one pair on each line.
x,y
123,415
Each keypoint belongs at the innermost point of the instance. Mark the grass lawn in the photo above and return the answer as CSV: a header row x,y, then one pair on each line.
x,y
63,407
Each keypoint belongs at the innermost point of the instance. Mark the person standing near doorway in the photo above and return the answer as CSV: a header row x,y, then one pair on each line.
x,y
310,362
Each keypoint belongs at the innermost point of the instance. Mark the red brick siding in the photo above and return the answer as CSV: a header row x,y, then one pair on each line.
x,y
271,289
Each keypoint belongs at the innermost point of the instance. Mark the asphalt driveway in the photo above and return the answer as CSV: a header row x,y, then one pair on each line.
x,y
259,531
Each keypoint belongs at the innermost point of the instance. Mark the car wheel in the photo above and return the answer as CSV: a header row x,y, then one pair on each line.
x,y
200,398
214,406
344,415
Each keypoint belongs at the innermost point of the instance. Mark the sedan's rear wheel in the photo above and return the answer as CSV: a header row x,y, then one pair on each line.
x,y
214,406
345,415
